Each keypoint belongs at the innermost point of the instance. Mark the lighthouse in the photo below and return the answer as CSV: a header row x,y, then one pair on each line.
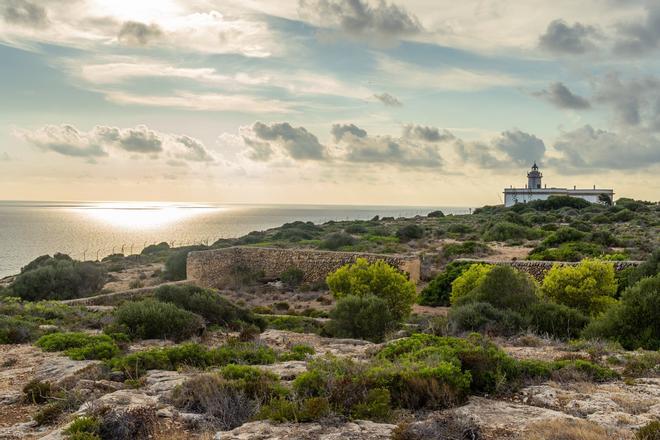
x,y
534,178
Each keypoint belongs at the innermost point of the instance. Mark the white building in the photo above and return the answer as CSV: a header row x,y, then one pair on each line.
x,y
535,191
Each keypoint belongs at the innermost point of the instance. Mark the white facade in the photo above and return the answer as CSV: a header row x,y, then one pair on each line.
x,y
534,191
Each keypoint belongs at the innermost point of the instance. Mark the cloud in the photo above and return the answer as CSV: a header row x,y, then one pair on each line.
x,y
561,38
421,77
388,100
297,142
133,33
641,37
427,134
64,139
22,12
374,21
560,95
418,147
635,102
67,140
339,130
589,148
202,102
512,147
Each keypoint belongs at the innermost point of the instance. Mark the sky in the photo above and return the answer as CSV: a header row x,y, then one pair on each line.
x,y
416,102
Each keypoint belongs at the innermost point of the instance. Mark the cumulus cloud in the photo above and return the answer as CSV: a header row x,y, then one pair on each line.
x,y
418,147
295,142
370,20
562,38
339,130
561,96
641,37
635,102
23,12
388,100
67,140
590,148
133,33
427,134
512,147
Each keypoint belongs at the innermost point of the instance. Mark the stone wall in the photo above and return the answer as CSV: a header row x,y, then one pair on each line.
x,y
214,268
538,269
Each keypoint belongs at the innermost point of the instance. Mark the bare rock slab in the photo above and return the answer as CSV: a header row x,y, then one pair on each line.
x,y
262,430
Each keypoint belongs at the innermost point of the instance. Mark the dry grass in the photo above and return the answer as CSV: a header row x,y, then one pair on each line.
x,y
631,405
570,429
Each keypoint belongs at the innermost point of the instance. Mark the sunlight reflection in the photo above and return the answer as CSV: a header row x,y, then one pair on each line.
x,y
143,215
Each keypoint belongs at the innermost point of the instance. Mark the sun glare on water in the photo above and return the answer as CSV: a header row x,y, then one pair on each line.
x,y
142,216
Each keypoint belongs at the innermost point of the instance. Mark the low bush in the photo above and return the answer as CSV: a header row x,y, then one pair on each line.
x,y
356,228
650,431
298,324
438,291
37,391
83,428
58,278
409,232
292,277
193,355
80,346
564,234
556,320
155,248
150,319
466,248
130,423
210,305
633,321
337,240
298,352
503,231
435,214
16,330
573,251
484,318
364,317
588,286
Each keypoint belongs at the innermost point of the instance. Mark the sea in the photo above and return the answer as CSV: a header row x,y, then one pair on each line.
x,y
93,230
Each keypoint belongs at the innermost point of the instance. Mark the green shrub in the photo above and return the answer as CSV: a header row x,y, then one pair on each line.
x,y
210,305
37,391
409,232
380,279
298,352
650,431
155,248
503,231
459,228
557,202
16,330
573,251
298,324
588,286
633,322
556,320
484,318
193,355
150,319
464,249
129,423
468,280
648,268
564,234
438,291
83,428
356,228
501,286
79,346
364,317
292,277
337,240
376,406
435,214
58,278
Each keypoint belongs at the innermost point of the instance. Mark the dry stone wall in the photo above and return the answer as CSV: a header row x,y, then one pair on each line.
x,y
217,267
538,269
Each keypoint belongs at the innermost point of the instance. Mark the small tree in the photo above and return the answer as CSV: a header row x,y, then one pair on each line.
x,y
589,286
361,317
504,288
439,289
468,280
380,279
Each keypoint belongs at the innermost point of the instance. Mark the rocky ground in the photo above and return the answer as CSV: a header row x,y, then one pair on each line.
x,y
617,407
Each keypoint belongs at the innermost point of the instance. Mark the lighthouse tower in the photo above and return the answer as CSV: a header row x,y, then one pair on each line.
x,y
534,178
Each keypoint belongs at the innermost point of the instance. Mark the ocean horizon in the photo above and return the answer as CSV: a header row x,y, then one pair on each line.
x,y
93,230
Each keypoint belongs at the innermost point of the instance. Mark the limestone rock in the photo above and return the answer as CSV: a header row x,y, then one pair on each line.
x,y
64,372
261,430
